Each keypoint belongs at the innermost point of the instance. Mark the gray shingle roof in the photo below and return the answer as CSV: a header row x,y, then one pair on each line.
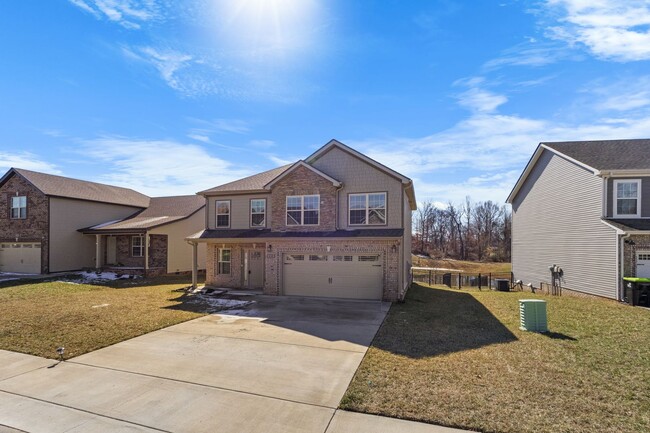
x,y
61,186
255,182
607,154
162,210
267,233
630,224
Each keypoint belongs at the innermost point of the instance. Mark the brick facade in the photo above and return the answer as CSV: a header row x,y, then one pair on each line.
x,y
157,254
274,266
303,181
635,243
35,228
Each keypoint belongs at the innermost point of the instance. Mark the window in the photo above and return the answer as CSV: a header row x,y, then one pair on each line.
x,y
368,258
303,210
223,213
224,261
137,246
18,208
317,258
368,209
628,198
258,212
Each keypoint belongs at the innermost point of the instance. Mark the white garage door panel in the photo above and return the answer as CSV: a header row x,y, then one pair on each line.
x,y
22,257
335,276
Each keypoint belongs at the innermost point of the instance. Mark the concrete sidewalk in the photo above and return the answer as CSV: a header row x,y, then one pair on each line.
x,y
281,366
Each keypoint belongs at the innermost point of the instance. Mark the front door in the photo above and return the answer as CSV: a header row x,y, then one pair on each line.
x,y
255,269
643,264
111,250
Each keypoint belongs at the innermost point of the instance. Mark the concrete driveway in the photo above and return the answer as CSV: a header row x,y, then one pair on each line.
x,y
281,365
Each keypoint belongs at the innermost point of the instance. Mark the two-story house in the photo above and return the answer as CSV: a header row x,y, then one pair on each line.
x,y
54,224
337,224
585,207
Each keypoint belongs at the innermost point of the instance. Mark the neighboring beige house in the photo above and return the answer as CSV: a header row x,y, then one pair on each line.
x,y
41,220
337,224
152,241
585,207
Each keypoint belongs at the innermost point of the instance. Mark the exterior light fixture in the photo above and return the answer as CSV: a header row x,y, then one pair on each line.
x,y
393,248
270,248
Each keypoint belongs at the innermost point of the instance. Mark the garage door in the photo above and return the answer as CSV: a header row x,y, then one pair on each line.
x,y
333,276
22,257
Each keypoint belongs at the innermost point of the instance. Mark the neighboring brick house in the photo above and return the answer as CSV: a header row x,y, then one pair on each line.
x,y
585,207
42,216
337,224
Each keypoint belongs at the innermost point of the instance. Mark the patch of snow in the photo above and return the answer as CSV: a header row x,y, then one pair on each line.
x,y
218,304
100,306
18,274
108,223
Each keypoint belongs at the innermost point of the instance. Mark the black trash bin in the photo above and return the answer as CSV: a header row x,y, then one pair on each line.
x,y
633,286
643,295
446,279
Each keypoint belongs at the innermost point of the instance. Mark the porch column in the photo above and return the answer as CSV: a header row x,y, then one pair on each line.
x,y
146,253
195,264
98,251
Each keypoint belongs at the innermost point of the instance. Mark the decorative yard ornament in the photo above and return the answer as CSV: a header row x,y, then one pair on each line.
x,y
60,351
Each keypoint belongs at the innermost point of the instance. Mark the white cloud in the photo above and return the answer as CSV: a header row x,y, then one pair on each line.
x,y
26,160
481,100
159,167
531,53
623,95
127,13
610,29
201,138
281,161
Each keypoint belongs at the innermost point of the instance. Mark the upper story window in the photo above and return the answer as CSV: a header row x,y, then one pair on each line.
x,y
628,198
18,207
367,209
258,212
137,246
303,210
223,213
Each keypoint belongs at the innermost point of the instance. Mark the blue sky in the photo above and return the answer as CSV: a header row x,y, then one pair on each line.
x,y
171,97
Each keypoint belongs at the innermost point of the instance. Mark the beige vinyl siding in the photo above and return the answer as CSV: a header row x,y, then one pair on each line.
x,y
556,220
645,195
179,252
240,210
69,249
358,176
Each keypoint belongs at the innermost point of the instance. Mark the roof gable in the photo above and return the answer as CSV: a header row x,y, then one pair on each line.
x,y
252,183
59,186
337,144
298,164
606,155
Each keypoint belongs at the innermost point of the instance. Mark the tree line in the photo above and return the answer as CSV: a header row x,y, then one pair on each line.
x,y
467,231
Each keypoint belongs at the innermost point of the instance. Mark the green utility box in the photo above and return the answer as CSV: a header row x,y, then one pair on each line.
x,y
532,315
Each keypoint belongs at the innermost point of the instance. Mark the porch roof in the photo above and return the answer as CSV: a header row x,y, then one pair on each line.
x,y
630,224
268,234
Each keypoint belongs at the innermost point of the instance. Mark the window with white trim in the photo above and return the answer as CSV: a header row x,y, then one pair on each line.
x,y
224,261
628,198
137,246
19,208
367,209
303,210
223,213
258,212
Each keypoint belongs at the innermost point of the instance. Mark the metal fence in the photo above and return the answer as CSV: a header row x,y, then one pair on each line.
x,y
461,279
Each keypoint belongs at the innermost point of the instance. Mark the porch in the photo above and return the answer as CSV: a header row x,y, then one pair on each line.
x,y
132,253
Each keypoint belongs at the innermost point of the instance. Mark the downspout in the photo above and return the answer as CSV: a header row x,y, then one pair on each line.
x,y
336,211
621,266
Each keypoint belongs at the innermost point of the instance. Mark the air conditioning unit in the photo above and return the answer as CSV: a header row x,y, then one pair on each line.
x,y
532,315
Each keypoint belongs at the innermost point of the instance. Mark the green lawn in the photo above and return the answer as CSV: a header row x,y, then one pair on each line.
x,y
458,358
37,317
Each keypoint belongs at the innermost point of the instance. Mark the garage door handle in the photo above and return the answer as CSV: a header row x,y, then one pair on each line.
x,y
377,266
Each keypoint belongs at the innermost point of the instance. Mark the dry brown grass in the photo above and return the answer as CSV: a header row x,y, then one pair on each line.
x,y
37,317
464,266
458,358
